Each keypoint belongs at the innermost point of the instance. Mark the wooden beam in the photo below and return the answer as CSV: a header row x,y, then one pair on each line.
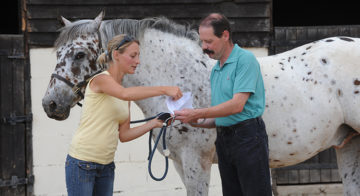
x,y
75,12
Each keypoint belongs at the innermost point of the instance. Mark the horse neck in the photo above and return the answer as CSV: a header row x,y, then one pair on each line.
x,y
150,72
137,28
111,28
164,62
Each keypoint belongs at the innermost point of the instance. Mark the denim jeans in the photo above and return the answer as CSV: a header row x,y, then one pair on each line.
x,y
243,157
87,178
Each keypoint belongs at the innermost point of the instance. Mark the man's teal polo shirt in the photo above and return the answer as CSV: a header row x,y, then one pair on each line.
x,y
240,73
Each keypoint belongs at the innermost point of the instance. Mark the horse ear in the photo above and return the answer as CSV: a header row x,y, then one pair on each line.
x,y
65,21
99,18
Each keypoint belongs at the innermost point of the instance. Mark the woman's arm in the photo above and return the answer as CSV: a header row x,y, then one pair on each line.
x,y
127,134
106,84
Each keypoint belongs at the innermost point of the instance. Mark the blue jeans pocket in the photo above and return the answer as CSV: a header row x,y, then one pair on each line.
x,y
87,171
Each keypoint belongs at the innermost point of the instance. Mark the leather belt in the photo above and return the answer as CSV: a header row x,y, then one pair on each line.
x,y
240,124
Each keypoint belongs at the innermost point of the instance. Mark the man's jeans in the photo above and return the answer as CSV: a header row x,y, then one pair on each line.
x,y
243,156
87,178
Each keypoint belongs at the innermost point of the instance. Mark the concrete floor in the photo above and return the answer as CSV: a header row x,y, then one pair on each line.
x,y
311,190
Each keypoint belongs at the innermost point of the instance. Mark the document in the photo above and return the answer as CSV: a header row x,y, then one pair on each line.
x,y
184,102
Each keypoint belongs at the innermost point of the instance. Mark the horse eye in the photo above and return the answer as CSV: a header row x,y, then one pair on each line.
x,y
79,55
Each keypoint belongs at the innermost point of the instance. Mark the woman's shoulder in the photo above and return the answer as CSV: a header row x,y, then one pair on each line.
x,y
102,74
96,78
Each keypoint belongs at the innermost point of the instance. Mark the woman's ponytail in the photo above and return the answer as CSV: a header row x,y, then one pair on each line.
x,y
103,58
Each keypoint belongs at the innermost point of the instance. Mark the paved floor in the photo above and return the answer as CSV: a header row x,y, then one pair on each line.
x,y
311,190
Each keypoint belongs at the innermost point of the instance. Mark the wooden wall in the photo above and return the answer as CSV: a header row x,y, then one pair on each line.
x,y
287,38
251,18
15,118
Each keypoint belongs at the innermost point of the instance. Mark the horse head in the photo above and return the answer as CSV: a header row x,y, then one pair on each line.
x,y
77,49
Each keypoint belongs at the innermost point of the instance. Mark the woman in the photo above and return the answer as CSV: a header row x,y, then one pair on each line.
x,y
105,117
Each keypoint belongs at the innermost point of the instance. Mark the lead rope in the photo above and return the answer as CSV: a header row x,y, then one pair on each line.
x,y
166,117
165,150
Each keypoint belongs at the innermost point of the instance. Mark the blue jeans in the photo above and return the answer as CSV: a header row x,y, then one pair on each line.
x,y
243,157
87,178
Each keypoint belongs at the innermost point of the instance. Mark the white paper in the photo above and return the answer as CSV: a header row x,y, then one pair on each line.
x,y
184,102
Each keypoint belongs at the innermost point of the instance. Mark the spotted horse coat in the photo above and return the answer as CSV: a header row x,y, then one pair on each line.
x,y
312,96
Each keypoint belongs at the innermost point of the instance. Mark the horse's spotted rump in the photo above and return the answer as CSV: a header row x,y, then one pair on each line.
x,y
356,82
324,61
346,39
339,93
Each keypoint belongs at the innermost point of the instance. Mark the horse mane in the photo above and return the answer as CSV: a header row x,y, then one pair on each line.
x,y
136,28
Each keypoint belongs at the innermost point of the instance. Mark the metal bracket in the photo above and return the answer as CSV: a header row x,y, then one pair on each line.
x,y
13,119
17,57
15,181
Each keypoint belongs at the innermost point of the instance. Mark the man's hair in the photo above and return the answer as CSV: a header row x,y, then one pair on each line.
x,y
218,22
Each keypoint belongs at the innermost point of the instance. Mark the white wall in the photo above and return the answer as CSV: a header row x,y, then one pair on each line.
x,y
51,140
259,52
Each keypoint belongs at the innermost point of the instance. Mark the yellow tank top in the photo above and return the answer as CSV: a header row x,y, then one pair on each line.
x,y
96,138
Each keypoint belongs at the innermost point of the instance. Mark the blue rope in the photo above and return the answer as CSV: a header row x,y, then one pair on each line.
x,y
144,120
152,152
164,117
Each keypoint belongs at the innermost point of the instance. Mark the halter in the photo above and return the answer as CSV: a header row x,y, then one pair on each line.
x,y
76,88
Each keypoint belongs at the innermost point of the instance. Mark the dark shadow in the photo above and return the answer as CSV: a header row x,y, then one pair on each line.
x,y
10,17
315,13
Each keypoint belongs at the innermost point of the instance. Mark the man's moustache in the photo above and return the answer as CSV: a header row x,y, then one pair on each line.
x,y
207,51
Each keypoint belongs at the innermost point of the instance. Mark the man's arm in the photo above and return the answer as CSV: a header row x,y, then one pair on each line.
x,y
204,123
233,106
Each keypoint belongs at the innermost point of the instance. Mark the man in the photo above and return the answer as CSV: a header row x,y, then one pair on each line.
x,y
238,101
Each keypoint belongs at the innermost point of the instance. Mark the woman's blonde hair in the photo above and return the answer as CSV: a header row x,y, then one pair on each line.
x,y
119,43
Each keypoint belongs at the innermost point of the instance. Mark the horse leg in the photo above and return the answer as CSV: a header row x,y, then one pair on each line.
x,y
348,160
346,140
179,169
194,170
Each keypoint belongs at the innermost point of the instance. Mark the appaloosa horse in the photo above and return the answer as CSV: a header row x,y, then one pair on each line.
x,y
312,93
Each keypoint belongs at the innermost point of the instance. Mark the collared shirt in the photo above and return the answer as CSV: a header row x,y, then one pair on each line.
x,y
240,73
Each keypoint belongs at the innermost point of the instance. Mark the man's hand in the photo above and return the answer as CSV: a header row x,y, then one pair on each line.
x,y
186,115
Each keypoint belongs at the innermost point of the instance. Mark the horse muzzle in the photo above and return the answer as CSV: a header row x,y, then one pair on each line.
x,y
55,110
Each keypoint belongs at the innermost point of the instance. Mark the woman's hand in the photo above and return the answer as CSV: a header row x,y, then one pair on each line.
x,y
156,123
174,92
